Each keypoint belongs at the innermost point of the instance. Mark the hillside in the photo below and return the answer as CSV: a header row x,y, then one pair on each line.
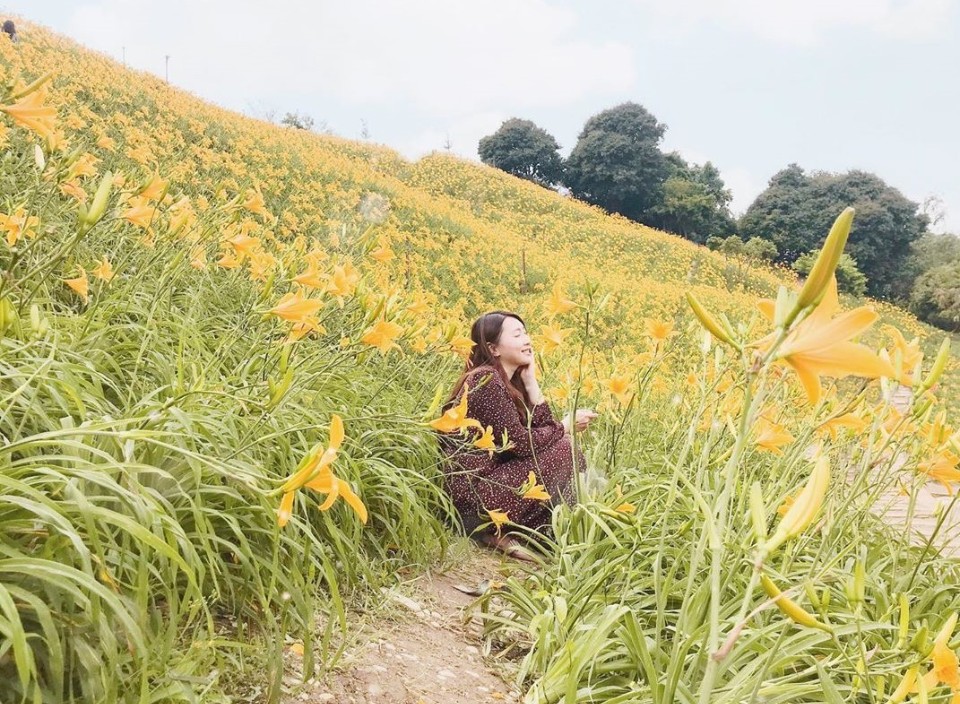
x,y
194,301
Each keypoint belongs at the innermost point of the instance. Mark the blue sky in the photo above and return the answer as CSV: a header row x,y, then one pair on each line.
x,y
750,85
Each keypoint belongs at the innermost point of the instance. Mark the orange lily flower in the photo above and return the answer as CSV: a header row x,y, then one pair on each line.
x,y
30,112
559,303
537,492
382,336
820,345
295,308
456,418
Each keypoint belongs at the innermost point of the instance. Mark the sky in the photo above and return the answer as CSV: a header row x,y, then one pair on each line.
x,y
750,85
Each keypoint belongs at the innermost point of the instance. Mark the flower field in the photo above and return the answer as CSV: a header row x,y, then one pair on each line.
x,y
224,347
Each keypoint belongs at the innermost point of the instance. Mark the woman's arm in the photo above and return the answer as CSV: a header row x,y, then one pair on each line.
x,y
489,403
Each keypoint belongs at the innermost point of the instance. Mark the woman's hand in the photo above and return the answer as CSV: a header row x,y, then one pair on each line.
x,y
583,418
528,375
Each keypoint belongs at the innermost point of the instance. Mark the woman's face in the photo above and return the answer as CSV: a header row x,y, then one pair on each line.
x,y
513,348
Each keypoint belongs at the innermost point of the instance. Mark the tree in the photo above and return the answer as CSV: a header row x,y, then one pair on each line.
x,y
617,163
297,121
734,246
929,251
796,211
849,278
521,148
694,202
936,296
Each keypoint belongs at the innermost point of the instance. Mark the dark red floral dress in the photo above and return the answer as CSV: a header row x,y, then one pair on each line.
x,y
477,482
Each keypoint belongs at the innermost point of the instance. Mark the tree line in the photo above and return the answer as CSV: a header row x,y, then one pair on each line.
x,y
617,163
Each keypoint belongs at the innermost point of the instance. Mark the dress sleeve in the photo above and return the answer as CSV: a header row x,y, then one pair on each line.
x,y
543,415
490,404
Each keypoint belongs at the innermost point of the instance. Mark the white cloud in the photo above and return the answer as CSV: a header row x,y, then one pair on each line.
x,y
805,22
442,57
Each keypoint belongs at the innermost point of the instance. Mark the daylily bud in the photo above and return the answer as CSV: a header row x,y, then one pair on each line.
x,y
826,264
790,608
8,314
939,365
99,204
709,322
904,624
758,512
803,510
32,87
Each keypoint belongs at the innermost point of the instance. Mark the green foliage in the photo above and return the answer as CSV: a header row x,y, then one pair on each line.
x,y
617,163
694,202
935,298
849,278
796,207
734,246
297,121
521,148
929,251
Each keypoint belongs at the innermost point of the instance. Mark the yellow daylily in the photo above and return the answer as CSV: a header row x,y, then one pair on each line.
x,y
295,308
847,420
244,245
658,330
18,225
228,261
155,189
619,386
462,345
945,670
942,467
624,506
536,492
551,337
456,418
304,327
140,212
81,285
485,441
334,487
344,281
311,279
314,473
30,112
905,356
772,436
382,336
558,304
103,270
198,257
382,253
254,202
84,166
499,518
74,190
820,345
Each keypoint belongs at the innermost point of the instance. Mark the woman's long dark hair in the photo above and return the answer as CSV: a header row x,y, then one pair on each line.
x,y
486,330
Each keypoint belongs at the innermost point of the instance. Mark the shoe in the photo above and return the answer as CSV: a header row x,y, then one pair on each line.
x,y
510,547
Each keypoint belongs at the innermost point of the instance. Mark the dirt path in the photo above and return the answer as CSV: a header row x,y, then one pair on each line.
x,y
419,650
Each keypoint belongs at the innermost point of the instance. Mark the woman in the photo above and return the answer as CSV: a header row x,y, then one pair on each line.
x,y
501,386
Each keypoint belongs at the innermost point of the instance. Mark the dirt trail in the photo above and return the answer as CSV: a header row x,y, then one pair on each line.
x,y
421,651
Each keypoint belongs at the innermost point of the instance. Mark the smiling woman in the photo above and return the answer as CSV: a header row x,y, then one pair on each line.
x,y
533,468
